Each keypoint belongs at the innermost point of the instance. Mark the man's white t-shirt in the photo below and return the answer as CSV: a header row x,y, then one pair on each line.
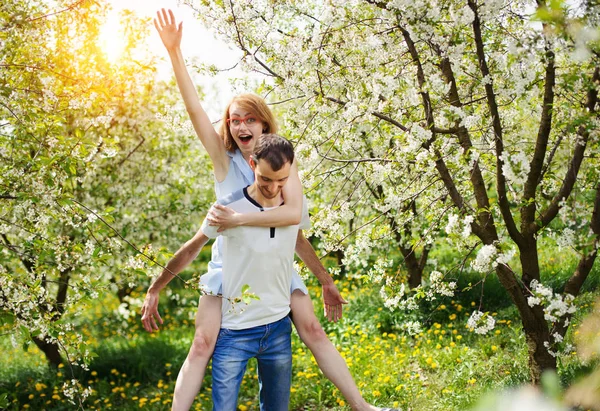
x,y
262,258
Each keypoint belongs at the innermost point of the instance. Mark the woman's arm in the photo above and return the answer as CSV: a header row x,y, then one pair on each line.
x,y
289,213
170,34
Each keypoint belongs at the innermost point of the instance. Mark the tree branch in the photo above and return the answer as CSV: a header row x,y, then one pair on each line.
x,y
497,127
358,160
485,218
142,140
578,155
439,162
584,267
541,145
245,49
71,7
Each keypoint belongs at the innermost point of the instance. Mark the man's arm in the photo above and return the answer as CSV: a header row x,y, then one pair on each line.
x,y
182,258
332,298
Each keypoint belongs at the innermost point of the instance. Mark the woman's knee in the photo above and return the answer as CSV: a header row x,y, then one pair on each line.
x,y
310,331
202,345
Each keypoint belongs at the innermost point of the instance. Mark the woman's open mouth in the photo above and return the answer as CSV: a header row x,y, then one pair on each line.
x,y
245,139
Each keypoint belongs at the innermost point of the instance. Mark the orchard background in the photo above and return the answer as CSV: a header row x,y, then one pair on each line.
x,y
449,151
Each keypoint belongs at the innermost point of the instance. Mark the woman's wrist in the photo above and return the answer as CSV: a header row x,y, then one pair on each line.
x,y
239,220
174,51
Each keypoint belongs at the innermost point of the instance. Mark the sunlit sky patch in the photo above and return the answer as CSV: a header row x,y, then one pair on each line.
x,y
212,51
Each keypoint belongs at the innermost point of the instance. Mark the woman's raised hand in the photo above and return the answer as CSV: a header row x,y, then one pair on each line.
x,y
168,29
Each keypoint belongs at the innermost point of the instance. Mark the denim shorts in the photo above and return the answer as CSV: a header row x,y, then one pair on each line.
x,y
271,345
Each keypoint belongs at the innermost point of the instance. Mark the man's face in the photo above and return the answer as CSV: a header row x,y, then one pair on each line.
x,y
270,182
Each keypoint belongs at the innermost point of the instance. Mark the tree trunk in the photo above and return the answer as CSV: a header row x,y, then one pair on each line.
x,y
51,350
540,359
535,325
339,255
415,272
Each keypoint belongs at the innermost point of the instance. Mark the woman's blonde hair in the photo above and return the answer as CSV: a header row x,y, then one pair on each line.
x,y
253,104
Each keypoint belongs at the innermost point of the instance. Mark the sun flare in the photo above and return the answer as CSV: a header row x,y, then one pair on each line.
x,y
112,38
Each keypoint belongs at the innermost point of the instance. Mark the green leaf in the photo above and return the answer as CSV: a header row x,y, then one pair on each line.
x,y
4,400
64,201
551,384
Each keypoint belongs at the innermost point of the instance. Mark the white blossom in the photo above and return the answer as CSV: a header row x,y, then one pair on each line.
x,y
555,305
515,167
566,238
412,327
481,322
485,258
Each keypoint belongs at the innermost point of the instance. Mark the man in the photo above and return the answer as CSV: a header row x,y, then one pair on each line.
x,y
261,258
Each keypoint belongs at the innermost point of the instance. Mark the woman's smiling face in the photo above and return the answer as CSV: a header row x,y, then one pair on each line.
x,y
245,128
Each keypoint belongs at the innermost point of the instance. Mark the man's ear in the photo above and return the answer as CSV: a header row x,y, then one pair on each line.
x,y
252,163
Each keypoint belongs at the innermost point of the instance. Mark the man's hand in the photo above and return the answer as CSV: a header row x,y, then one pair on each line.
x,y
150,312
222,216
332,301
168,30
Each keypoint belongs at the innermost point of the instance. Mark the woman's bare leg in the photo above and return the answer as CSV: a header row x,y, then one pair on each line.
x,y
189,380
328,358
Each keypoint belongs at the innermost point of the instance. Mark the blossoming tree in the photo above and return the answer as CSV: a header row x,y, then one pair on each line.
x,y
86,166
476,121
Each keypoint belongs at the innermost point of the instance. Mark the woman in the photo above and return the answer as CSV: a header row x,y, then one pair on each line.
x,y
244,120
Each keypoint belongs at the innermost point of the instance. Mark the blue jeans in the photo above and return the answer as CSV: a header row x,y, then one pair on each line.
x,y
271,345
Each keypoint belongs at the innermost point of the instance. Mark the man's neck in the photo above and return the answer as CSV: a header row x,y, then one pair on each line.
x,y
257,196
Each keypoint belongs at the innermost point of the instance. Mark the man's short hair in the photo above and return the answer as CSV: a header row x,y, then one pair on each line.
x,y
274,149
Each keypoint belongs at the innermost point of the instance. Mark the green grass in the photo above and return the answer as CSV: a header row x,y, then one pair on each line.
x,y
446,367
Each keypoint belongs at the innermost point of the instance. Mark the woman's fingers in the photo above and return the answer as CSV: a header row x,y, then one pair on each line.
x,y
172,15
165,17
159,17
